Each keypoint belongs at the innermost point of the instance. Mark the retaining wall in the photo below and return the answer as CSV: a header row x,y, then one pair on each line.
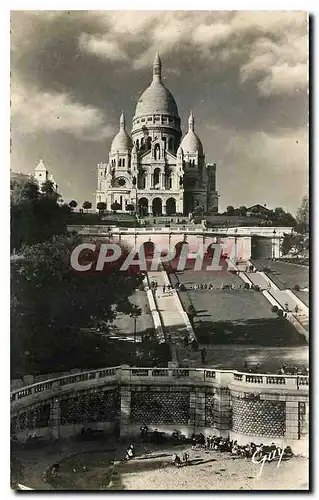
x,y
258,407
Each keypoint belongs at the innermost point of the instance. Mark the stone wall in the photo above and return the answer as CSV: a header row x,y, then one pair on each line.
x,y
244,406
160,405
257,417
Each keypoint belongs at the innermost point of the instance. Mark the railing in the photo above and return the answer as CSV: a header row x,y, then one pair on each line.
x,y
195,375
58,382
228,231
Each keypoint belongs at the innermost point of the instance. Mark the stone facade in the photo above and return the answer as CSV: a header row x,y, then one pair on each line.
x,y
152,169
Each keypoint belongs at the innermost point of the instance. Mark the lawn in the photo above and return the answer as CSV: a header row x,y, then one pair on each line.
x,y
233,317
284,275
303,296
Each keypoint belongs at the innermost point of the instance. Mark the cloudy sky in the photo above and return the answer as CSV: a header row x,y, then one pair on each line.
x,y
244,75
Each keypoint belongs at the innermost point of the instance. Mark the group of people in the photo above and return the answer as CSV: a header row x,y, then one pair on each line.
x,y
218,443
179,462
210,286
293,370
284,369
287,309
195,345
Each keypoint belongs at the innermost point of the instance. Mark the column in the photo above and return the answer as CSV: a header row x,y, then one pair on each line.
x,y
148,181
55,412
222,410
292,415
200,399
192,412
164,207
125,415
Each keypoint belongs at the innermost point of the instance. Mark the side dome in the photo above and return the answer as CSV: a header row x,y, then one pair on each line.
x,y
191,142
122,141
156,98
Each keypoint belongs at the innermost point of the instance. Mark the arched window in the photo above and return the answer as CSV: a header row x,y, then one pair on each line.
x,y
120,162
149,141
123,162
137,144
164,139
170,144
142,142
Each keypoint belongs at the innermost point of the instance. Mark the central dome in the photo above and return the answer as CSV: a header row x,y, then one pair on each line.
x,y
156,98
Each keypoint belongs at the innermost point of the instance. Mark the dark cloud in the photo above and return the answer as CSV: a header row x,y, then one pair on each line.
x,y
243,74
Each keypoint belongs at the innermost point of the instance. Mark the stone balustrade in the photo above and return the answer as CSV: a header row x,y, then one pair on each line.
x,y
230,231
192,375
223,402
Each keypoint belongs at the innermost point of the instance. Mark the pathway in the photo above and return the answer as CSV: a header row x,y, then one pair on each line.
x,y
173,317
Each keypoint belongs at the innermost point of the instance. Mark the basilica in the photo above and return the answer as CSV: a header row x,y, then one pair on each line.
x,y
154,169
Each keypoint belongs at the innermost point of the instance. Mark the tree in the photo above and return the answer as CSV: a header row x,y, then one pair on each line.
x,y
230,210
130,207
115,206
87,205
22,191
35,216
292,241
282,218
242,211
49,190
303,215
50,308
101,206
73,204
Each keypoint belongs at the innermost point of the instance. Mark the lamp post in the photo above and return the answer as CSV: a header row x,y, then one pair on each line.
x,y
273,244
136,312
135,320
235,252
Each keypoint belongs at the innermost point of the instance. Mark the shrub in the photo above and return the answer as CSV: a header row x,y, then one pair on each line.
x,y
297,288
280,313
257,288
274,309
182,287
247,286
